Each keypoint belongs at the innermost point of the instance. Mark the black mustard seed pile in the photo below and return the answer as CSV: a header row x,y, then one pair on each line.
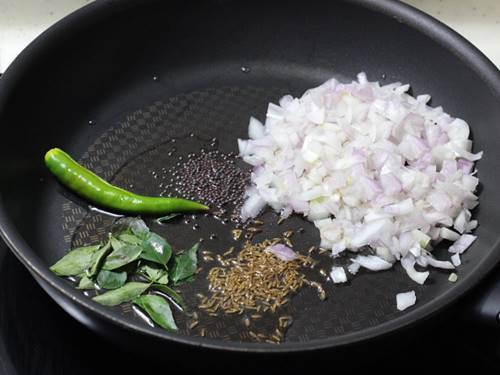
x,y
210,177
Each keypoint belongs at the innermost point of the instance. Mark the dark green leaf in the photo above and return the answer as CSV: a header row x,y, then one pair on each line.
x,y
130,239
154,273
166,218
126,293
75,262
111,279
156,249
171,293
122,256
158,309
185,265
85,283
98,260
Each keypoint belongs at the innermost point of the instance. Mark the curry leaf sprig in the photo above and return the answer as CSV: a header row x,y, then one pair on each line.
x,y
131,266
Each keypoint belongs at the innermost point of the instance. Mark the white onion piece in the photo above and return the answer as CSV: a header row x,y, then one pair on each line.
x,y
282,252
402,208
461,152
408,263
471,226
255,129
286,101
455,259
405,300
458,130
338,275
461,221
369,232
465,165
429,260
390,183
385,254
462,243
353,268
275,112
448,234
443,264
372,262
252,206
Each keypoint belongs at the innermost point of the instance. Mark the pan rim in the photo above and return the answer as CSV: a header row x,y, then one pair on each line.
x,y
425,24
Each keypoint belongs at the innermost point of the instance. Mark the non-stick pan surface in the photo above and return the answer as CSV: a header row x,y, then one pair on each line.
x,y
118,81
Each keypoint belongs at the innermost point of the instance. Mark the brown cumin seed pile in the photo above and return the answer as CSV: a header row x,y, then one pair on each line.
x,y
254,280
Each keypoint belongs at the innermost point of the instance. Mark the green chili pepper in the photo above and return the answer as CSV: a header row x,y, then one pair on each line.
x,y
93,188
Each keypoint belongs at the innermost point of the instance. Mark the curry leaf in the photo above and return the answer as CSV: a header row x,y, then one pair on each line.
x,y
158,309
75,262
111,279
171,293
156,249
163,279
185,265
188,279
122,256
139,228
131,225
130,239
85,283
98,259
128,292
115,243
154,273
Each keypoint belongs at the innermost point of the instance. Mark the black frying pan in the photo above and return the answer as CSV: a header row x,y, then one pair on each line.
x,y
98,65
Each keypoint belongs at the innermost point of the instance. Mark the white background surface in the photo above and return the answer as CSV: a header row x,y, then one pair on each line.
x,y
22,20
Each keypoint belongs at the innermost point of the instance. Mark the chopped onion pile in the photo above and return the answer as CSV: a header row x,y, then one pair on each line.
x,y
371,166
